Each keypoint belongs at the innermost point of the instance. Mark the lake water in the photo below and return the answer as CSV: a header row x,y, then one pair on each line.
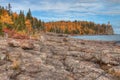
x,y
99,37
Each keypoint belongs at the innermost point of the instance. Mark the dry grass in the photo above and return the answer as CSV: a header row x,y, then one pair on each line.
x,y
15,64
114,72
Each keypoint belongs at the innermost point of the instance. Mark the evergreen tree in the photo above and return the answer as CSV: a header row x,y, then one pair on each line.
x,y
66,31
0,10
29,15
21,21
9,9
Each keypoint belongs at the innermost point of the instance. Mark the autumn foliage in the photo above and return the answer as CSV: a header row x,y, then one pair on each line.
x,y
77,27
18,25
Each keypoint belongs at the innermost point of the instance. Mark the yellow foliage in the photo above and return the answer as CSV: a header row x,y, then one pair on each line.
x,y
91,31
23,32
5,18
35,37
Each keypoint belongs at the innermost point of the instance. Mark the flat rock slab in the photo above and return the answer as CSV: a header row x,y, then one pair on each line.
x,y
58,58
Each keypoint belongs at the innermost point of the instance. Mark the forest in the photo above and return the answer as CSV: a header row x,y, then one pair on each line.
x,y
18,25
23,25
78,27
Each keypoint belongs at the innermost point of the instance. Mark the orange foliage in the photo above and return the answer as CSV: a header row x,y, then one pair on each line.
x,y
14,34
62,25
5,18
15,15
28,25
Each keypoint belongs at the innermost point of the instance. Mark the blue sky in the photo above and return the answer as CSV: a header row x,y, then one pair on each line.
x,y
98,11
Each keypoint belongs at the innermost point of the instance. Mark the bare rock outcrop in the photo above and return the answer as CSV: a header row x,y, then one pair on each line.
x,y
58,58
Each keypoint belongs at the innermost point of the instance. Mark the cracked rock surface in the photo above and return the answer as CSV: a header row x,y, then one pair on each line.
x,y
58,58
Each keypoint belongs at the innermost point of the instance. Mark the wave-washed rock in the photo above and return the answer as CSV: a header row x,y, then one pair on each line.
x,y
58,58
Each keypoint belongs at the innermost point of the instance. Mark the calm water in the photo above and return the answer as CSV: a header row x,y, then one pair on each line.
x,y
99,37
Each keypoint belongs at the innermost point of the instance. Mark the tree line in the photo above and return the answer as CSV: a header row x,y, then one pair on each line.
x,y
19,23
78,27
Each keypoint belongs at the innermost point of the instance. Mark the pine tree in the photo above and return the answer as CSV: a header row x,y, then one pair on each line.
x,y
29,15
21,21
9,9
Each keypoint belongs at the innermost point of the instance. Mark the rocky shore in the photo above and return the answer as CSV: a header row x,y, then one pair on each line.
x,y
58,57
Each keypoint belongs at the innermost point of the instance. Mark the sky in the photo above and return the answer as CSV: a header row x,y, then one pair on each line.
x,y
98,11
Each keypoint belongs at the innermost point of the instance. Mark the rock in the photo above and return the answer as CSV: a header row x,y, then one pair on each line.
x,y
14,43
83,69
107,58
3,45
2,62
59,50
31,65
27,45
4,76
73,53
58,58
2,56
51,76
102,77
24,77
46,68
117,50
56,63
37,47
70,62
43,56
14,55
42,39
3,42
82,43
87,57
23,44
65,39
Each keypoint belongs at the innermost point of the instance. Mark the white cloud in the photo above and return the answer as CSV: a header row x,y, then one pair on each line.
x,y
60,6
